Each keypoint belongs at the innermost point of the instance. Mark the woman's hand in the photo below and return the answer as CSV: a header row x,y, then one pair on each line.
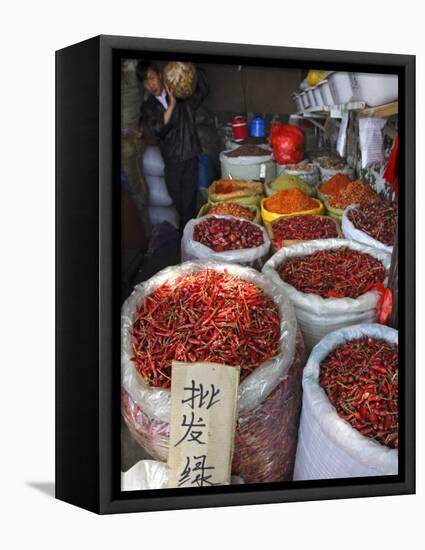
x,y
171,105
171,97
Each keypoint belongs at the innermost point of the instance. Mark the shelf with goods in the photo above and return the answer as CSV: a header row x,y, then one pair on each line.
x,y
337,111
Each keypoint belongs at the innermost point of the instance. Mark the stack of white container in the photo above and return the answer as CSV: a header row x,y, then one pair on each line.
x,y
342,87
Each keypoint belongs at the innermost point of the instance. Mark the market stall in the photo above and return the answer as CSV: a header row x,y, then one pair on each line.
x,y
286,270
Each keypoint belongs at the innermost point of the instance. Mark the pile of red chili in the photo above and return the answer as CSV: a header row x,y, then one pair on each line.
x,y
338,273
304,228
356,192
360,378
222,234
377,220
205,316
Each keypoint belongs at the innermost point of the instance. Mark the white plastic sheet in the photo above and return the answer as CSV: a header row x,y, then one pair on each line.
x,y
194,250
353,234
152,474
319,316
145,474
328,446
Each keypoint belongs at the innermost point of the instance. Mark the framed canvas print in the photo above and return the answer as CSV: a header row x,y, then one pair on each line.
x,y
235,274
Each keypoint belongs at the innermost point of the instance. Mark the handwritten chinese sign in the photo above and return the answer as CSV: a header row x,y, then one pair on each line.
x,y
203,421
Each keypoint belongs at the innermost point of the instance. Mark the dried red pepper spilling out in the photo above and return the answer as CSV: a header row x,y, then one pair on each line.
x,y
360,378
222,234
205,316
305,228
339,273
377,220
356,192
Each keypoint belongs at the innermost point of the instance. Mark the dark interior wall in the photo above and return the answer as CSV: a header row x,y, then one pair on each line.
x,y
251,89
248,89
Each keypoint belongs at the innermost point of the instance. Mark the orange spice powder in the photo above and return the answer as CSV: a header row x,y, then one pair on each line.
x,y
335,184
288,201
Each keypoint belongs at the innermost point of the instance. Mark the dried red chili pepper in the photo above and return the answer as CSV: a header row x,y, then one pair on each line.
x,y
205,316
377,220
356,377
222,234
304,228
337,273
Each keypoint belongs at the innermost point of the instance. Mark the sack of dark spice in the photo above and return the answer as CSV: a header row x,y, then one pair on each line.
x,y
329,292
226,239
146,409
354,436
373,224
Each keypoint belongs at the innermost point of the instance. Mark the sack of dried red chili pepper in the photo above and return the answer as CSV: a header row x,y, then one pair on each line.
x,y
349,416
269,394
329,290
225,239
373,224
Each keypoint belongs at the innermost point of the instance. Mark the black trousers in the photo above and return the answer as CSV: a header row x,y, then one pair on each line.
x,y
181,178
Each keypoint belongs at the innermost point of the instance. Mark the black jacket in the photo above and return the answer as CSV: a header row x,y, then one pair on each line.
x,y
177,139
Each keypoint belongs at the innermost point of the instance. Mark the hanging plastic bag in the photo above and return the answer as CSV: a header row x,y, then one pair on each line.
x,y
328,446
287,142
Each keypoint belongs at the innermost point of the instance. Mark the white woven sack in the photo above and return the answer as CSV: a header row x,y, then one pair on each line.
x,y
159,214
353,234
254,388
319,316
248,168
193,250
311,177
153,163
328,446
158,192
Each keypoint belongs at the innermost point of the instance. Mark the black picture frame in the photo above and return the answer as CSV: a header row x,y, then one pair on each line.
x,y
87,275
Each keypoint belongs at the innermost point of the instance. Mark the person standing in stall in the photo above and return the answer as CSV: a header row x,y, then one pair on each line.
x,y
172,121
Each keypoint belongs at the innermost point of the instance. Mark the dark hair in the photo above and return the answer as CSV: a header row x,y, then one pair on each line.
x,y
143,68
